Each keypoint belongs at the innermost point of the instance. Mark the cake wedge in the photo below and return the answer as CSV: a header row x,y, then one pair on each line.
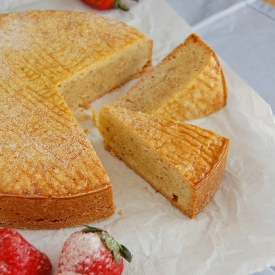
x,y
183,162
50,175
189,83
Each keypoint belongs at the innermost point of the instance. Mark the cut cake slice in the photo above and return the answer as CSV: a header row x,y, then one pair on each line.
x,y
50,175
187,84
183,162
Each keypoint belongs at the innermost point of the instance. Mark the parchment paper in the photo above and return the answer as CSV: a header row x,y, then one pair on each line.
x,y
235,233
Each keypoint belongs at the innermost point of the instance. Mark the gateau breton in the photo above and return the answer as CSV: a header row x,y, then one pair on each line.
x,y
187,84
51,62
183,162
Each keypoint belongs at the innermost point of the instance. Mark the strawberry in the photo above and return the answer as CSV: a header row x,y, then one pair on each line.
x,y
92,251
18,256
106,4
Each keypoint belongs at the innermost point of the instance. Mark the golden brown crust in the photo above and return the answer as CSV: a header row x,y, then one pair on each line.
x,y
44,151
83,54
50,175
207,188
188,83
54,213
183,162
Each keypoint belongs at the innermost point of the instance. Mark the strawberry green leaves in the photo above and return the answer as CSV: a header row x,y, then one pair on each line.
x,y
118,250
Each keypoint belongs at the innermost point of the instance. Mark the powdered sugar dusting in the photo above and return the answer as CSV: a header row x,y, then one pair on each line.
x,y
13,36
78,249
35,121
33,131
17,255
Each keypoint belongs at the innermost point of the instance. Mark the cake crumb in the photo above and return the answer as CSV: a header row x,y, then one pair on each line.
x,y
81,115
87,106
120,212
95,114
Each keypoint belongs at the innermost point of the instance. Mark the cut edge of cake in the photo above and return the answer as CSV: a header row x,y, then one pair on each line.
x,y
183,162
189,83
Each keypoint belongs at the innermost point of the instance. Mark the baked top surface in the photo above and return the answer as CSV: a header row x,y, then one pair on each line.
x,y
51,45
192,150
43,150
188,83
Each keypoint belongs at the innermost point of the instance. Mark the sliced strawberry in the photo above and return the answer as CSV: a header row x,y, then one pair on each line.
x,y
18,256
92,251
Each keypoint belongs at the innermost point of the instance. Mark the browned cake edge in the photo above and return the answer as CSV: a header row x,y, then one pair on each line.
x,y
203,191
128,100
207,188
55,213
225,89
221,93
197,39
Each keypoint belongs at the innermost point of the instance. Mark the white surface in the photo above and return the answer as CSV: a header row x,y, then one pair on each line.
x,y
243,35
234,234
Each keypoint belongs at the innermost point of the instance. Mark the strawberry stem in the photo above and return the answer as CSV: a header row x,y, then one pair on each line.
x,y
91,229
117,249
119,5
125,253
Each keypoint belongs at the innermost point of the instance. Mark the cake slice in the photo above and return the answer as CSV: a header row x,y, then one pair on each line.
x,y
50,175
83,54
187,84
183,162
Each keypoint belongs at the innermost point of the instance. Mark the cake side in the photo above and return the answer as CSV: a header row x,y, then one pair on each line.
x,y
187,84
29,212
104,76
179,160
119,53
203,92
207,188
